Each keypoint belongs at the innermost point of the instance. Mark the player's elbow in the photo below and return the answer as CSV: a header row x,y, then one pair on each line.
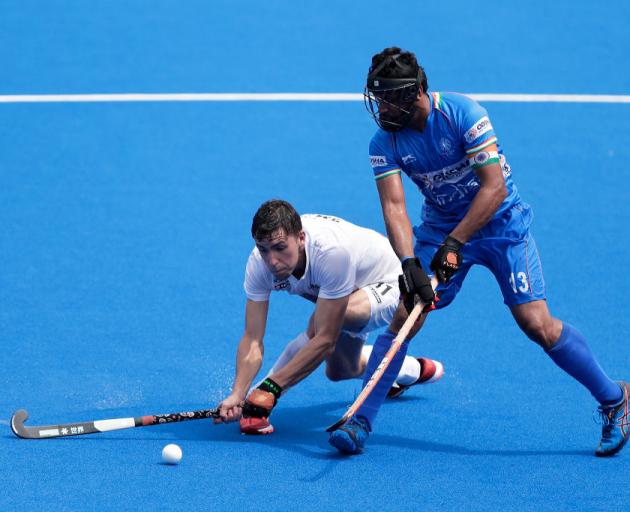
x,y
504,192
501,191
496,193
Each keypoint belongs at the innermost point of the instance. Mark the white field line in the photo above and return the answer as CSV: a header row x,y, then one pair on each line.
x,y
158,97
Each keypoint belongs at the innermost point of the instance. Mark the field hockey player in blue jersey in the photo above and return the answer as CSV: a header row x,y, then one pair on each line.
x,y
472,215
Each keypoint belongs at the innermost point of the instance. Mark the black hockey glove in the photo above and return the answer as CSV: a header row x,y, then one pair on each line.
x,y
447,259
415,285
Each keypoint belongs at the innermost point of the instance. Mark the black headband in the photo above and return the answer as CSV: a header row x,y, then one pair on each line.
x,y
376,83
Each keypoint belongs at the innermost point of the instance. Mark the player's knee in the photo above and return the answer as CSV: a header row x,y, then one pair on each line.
x,y
342,368
541,329
334,374
337,373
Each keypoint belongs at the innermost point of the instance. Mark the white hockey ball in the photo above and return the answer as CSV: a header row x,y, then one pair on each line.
x,y
171,454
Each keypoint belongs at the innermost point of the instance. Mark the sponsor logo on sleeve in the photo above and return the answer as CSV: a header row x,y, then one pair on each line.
x,y
378,161
480,127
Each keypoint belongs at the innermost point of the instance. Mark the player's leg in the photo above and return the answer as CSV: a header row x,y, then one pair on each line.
x,y
519,273
350,438
567,347
346,364
357,316
428,241
292,348
516,265
346,360
364,314
372,308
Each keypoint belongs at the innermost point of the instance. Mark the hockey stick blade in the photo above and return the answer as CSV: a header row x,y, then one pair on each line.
x,y
93,427
338,424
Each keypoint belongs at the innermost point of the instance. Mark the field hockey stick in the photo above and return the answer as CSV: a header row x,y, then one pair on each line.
x,y
380,369
94,427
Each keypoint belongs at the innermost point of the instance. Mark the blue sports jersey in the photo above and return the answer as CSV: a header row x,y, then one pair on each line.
x,y
441,159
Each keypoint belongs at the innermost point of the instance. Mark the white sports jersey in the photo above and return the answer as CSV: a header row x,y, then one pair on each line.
x,y
341,257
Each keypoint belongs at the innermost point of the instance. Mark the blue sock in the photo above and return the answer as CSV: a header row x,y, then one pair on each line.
x,y
573,355
373,402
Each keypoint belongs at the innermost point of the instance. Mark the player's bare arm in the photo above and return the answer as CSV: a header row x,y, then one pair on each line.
x,y
492,192
249,358
327,323
397,223
414,283
328,320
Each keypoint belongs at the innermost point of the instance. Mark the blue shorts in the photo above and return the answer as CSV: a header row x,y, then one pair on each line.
x,y
504,245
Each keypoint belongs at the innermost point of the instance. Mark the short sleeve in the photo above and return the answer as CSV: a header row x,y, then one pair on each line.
x,y
477,129
337,273
382,157
257,285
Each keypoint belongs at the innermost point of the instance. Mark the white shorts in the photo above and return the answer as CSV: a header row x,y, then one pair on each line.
x,y
384,298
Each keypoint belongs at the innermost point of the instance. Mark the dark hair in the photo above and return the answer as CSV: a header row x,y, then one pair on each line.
x,y
402,65
274,215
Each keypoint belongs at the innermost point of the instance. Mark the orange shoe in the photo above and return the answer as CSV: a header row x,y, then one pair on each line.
x,y
255,426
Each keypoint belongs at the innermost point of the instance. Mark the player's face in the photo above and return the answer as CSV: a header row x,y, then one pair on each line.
x,y
394,109
392,113
281,252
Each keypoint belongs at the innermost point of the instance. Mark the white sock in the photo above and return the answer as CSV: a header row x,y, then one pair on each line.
x,y
365,354
289,351
409,373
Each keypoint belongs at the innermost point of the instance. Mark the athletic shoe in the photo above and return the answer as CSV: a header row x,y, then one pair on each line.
x,y
430,371
255,426
615,420
350,437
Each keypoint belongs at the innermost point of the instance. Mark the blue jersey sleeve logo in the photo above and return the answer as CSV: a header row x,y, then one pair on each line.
x,y
478,129
378,161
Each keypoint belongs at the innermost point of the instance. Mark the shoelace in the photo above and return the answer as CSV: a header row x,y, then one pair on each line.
x,y
604,416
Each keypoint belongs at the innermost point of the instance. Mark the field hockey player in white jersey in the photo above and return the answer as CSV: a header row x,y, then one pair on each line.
x,y
350,273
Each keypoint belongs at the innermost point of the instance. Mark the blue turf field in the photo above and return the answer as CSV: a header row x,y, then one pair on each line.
x,y
125,229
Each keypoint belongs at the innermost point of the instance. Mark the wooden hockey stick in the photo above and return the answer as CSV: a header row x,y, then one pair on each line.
x,y
380,369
